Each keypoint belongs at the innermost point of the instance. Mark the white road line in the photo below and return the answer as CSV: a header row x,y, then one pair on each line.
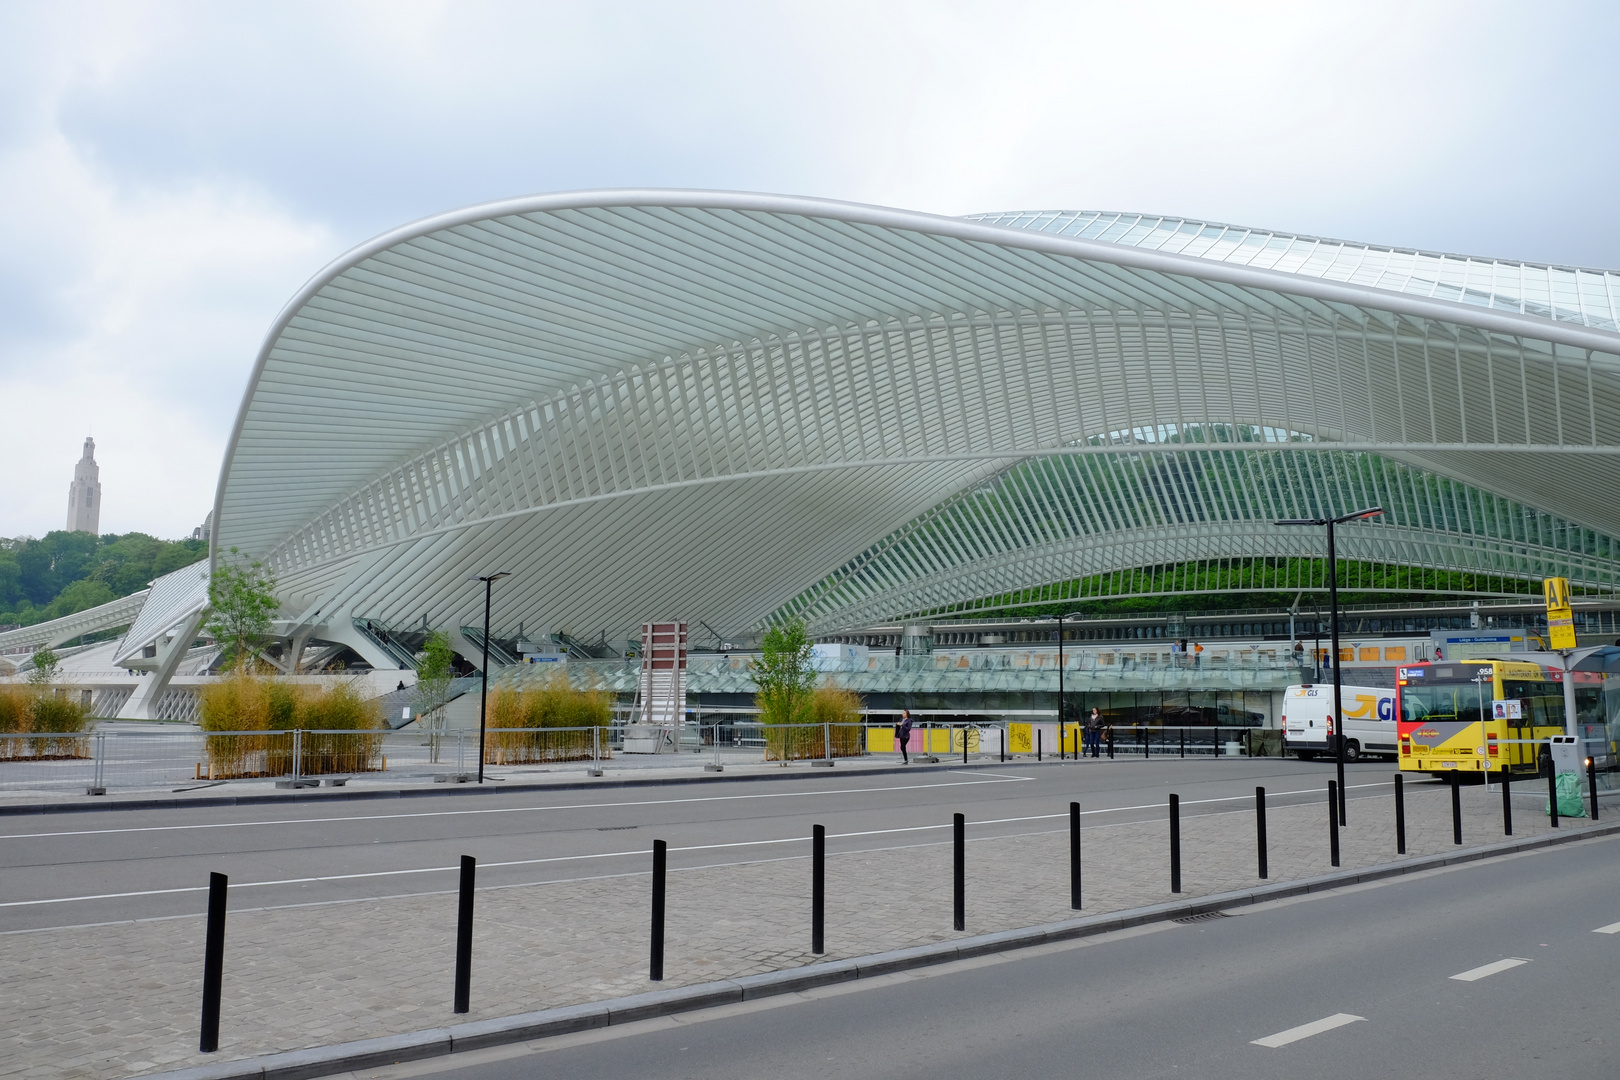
x,y
1305,1031
1612,928
1475,974
502,810
667,802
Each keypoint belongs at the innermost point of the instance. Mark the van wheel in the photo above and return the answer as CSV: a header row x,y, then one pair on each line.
x,y
1352,750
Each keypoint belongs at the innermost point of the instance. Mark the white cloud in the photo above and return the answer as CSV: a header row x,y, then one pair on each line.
x,y
171,172
157,301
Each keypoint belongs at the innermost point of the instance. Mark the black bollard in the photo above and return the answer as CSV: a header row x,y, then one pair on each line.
x,y
818,890
960,883
1507,801
1400,815
964,746
1110,749
1175,843
1456,809
464,925
1591,783
1183,742
1144,744
1260,827
1552,796
1074,856
1037,744
213,963
660,860
1333,820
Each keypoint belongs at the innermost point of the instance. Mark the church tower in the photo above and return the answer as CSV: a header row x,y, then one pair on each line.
x,y
84,494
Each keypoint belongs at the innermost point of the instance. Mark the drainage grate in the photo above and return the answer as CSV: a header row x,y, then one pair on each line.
x,y
1207,916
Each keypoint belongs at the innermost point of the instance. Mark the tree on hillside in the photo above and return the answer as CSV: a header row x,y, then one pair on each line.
x,y
784,674
242,603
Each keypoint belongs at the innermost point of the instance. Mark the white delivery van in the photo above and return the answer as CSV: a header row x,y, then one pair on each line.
x,y
1369,713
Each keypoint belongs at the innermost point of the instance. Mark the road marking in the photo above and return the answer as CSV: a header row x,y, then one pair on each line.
x,y
654,802
1475,974
1612,928
506,810
1305,1031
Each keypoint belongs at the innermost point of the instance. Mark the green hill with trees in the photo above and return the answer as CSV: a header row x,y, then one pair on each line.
x,y
64,572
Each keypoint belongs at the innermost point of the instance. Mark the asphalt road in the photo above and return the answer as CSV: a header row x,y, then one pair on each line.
x,y
79,869
1356,984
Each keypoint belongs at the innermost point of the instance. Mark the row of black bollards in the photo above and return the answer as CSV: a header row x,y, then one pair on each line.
x,y
214,948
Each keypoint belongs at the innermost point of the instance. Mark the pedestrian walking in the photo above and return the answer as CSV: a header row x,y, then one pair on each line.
x,y
1093,732
902,735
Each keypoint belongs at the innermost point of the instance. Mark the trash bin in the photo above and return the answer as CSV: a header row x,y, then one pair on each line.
x,y
1568,764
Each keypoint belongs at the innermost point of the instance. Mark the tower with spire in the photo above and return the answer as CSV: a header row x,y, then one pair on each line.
x,y
84,494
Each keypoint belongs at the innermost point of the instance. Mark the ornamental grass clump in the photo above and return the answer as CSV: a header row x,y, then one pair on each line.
x,y
829,710
550,721
57,717
254,718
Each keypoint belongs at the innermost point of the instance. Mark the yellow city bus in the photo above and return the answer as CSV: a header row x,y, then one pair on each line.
x,y
1474,715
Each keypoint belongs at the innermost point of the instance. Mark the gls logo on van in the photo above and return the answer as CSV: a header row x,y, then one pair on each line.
x,y
1386,708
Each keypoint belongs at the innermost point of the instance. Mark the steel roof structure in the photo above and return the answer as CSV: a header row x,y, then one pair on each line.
x,y
656,404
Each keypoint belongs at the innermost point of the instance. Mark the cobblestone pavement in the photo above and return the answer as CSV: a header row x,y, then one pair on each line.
x,y
123,999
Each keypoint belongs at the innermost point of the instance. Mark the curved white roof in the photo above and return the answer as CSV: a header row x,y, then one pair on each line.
x,y
700,404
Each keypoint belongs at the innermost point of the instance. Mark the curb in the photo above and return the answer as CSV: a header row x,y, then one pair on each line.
x,y
523,1027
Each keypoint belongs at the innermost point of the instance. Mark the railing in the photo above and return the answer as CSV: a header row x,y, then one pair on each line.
x,y
187,759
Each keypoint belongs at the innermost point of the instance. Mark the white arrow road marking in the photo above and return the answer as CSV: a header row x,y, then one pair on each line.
x,y
1475,974
1305,1031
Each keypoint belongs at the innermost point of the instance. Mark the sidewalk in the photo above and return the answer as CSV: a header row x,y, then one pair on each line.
x,y
123,999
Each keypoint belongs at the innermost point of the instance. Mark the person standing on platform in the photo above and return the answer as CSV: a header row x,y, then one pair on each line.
x,y
902,735
1093,732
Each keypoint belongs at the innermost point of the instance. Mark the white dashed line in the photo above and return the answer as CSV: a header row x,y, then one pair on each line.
x,y
1612,928
1475,974
1305,1031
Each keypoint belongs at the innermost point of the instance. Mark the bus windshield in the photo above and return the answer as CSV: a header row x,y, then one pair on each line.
x,y
1469,702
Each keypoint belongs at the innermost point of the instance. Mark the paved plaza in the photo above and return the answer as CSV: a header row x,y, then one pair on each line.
x,y
121,999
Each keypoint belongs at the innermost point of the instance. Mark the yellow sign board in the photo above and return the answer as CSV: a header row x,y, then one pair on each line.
x,y
1560,617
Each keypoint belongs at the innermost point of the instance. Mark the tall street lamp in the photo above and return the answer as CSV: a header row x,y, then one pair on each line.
x,y
1333,617
483,693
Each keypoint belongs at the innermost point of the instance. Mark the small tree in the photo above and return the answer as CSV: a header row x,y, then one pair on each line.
x,y
47,666
784,674
242,602
433,675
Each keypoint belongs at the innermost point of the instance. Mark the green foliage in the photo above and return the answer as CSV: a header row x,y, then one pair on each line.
x,y
65,572
45,667
433,674
784,675
242,603
268,709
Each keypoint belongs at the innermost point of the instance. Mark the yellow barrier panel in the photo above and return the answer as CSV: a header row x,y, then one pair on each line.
x,y
972,740
880,740
1020,740
937,741
1072,738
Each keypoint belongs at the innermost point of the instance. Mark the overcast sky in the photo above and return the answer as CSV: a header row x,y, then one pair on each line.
x,y
171,173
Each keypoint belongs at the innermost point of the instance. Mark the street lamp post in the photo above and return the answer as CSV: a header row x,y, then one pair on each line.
x,y
483,692
1333,617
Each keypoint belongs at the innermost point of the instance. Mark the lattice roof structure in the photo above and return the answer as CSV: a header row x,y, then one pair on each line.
x,y
730,407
